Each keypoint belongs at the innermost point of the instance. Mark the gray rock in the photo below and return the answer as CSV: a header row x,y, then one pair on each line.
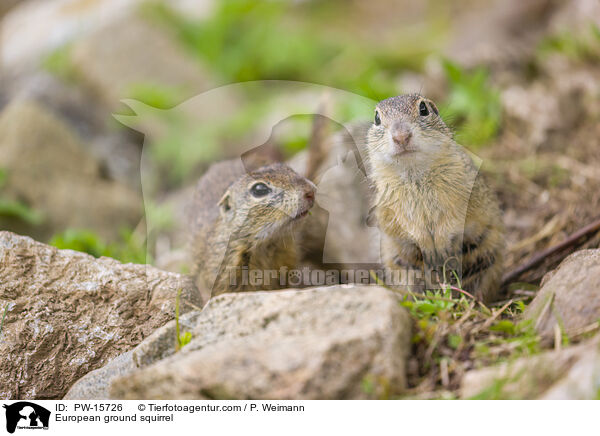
x,y
159,345
569,374
6,5
532,110
118,151
132,52
33,28
569,296
582,381
94,385
69,313
497,33
48,169
317,343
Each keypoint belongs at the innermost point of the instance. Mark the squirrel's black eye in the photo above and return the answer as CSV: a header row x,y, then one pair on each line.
x,y
377,118
260,189
423,111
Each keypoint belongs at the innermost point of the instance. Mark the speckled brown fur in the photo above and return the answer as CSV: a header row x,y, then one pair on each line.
x,y
432,204
232,228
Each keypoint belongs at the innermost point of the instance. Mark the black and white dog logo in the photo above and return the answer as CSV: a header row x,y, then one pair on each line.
x,y
26,415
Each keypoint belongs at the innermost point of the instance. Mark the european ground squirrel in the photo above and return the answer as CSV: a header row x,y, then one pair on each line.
x,y
245,221
431,204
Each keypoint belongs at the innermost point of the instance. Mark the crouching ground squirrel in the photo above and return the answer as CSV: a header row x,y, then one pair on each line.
x,y
246,221
431,204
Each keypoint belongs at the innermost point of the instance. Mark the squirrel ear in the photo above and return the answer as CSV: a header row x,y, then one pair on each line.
x,y
225,206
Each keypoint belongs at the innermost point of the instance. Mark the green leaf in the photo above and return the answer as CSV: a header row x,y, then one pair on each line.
x,y
472,103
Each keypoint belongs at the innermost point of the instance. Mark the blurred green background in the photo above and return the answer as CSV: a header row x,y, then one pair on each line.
x,y
462,54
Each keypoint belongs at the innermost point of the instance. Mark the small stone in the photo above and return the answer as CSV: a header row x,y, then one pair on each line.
x,y
569,296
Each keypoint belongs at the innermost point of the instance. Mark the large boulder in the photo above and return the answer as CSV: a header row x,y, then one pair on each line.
x,y
50,171
569,299
321,343
69,313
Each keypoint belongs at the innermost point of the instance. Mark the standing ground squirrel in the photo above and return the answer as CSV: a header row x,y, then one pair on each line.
x,y
431,204
242,220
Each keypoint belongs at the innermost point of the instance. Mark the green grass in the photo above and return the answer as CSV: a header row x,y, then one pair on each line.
x,y
17,210
20,211
497,389
247,40
156,95
127,250
580,45
250,40
181,339
58,62
521,338
472,105
451,326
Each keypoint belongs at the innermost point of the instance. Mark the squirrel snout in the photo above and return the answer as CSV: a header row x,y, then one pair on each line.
x,y
401,135
309,195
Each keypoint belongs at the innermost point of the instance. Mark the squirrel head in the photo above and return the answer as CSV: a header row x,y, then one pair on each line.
x,y
407,127
266,201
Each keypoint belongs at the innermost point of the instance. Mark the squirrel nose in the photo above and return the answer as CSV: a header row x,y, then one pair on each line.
x,y
309,195
401,134
309,192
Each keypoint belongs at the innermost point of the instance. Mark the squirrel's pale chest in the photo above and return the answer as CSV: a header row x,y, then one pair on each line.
x,y
427,216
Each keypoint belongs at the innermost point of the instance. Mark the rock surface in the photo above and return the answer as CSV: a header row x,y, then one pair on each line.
x,y
34,28
320,343
117,151
69,313
535,111
498,33
160,344
6,5
50,171
121,56
569,374
582,381
569,296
